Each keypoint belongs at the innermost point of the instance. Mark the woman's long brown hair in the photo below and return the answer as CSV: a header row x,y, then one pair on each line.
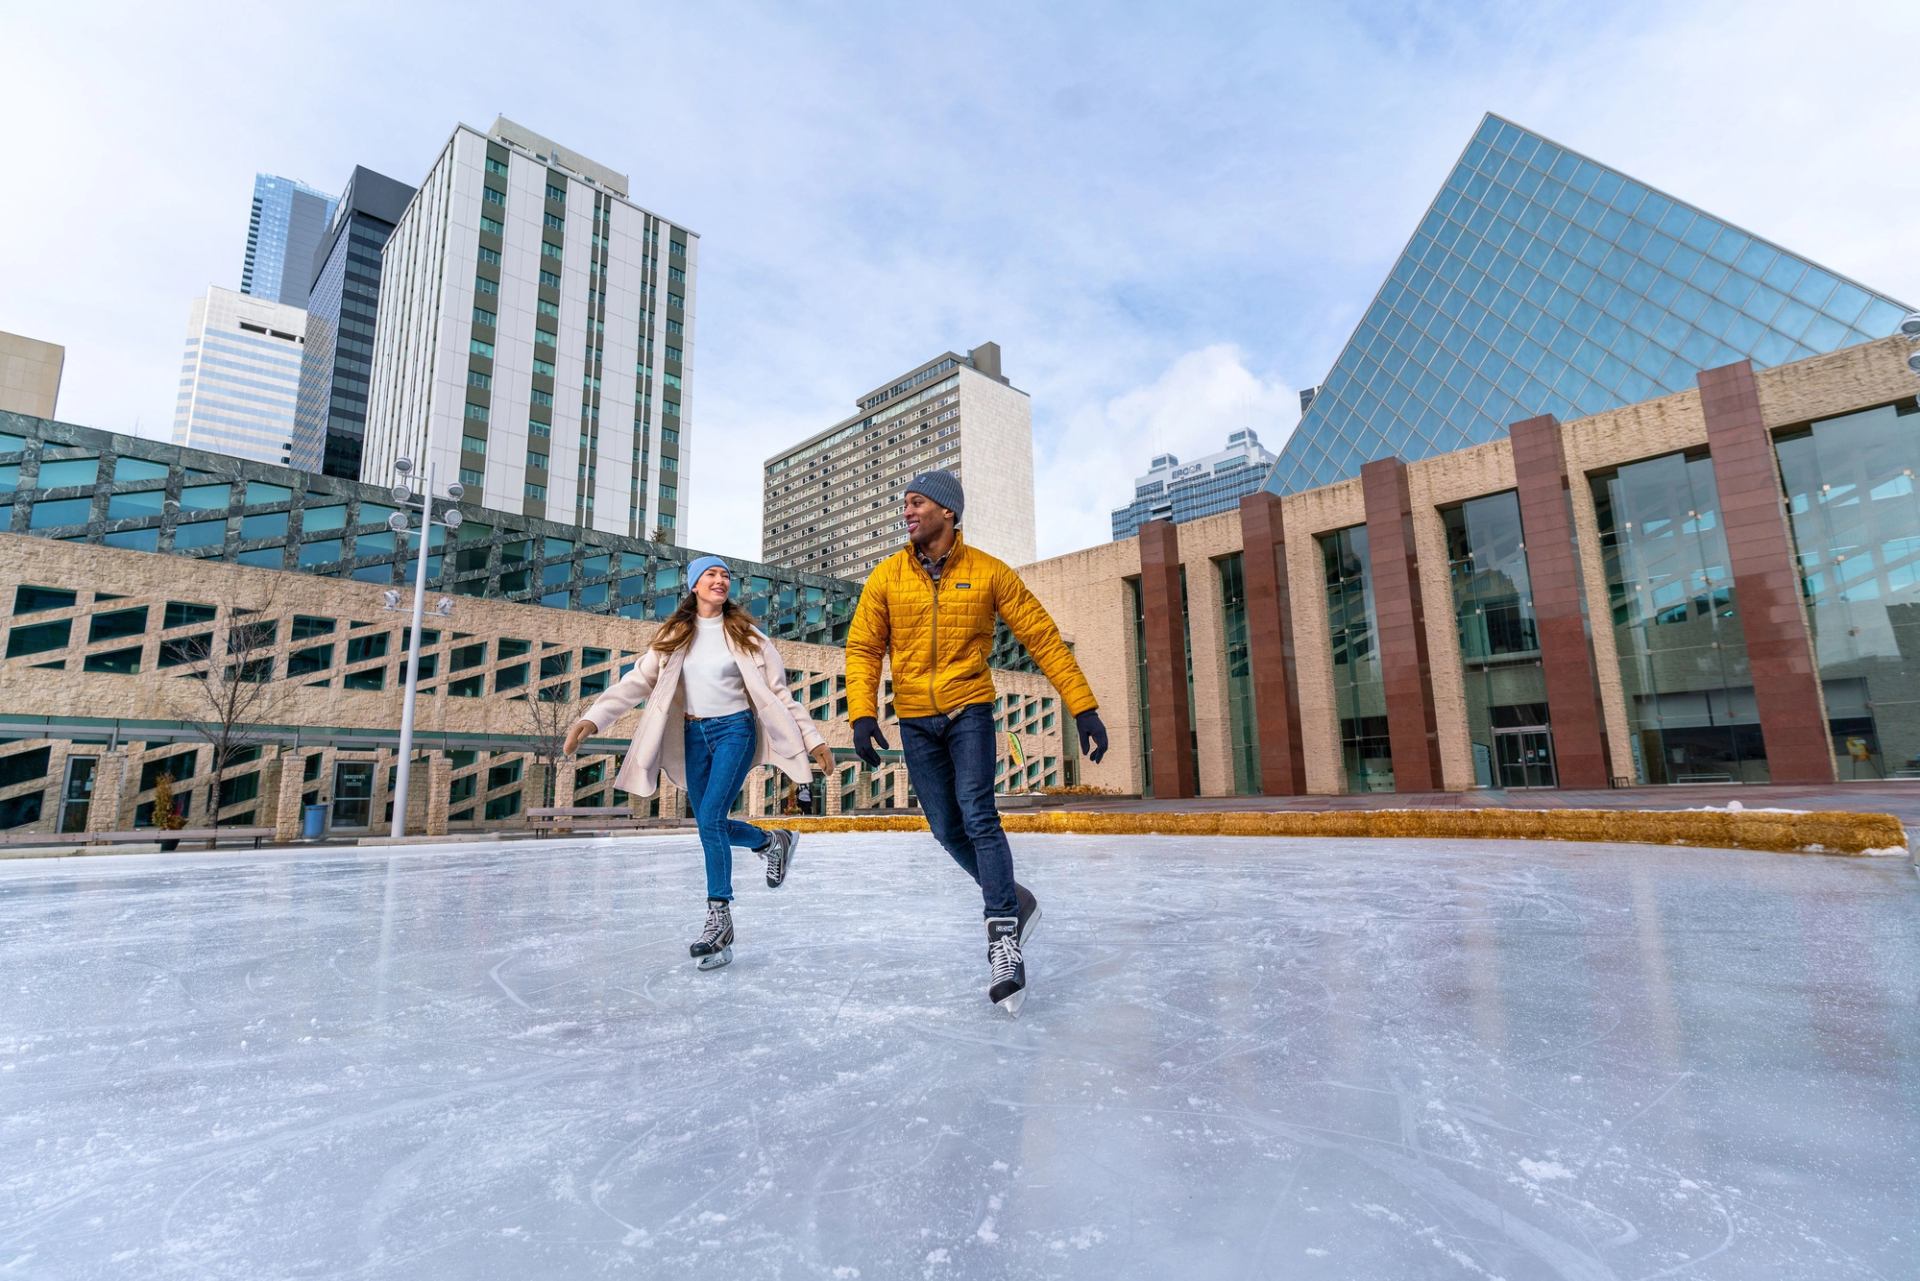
x,y
677,632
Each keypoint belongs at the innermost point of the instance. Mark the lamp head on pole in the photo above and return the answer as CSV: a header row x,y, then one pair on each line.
x,y
404,466
451,518
456,491
397,522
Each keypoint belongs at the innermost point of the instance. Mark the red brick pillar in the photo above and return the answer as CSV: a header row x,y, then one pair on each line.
x,y
1175,773
1393,566
1766,583
1276,696
1553,568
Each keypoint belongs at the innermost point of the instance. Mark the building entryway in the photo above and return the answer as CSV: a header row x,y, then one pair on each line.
x,y
352,793
1523,757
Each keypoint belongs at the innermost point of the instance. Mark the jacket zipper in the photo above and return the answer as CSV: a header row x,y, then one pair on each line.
x,y
933,668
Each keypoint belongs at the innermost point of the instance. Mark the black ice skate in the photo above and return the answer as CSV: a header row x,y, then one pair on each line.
x,y
779,856
714,947
1029,912
1009,972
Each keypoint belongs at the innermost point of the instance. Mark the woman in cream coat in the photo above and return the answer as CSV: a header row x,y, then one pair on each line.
x,y
727,709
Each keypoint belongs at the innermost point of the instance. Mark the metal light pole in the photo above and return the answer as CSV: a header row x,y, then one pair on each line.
x,y
404,495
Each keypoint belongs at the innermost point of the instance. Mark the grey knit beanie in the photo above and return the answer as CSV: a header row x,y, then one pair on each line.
x,y
943,487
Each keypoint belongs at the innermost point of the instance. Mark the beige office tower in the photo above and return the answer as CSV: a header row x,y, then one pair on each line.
x,y
832,502
535,338
30,375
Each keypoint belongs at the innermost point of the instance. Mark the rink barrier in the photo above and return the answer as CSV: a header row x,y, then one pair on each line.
x,y
1787,832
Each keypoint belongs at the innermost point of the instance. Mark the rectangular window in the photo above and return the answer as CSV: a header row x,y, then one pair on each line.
x,y
1359,687
670,435
675,300
549,279
555,221
1855,514
478,348
182,613
676,275
536,459
482,285
546,338
118,625
543,367
538,429
39,638
668,493
473,444
306,626
539,397
493,196
673,353
305,662
471,478
492,226
481,316
1676,624
536,491
556,193
550,250
674,327
490,256
496,166
32,600
479,380
546,308
476,413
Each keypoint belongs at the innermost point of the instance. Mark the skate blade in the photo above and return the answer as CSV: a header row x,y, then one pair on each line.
x,y
1013,1001
714,960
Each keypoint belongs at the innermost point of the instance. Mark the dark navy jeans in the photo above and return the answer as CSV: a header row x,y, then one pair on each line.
x,y
719,756
950,760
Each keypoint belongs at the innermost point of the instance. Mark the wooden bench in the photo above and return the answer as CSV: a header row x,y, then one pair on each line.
x,y
571,818
141,836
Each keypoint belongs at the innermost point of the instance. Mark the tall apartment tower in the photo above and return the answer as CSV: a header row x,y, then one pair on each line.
x,y
343,301
832,502
535,338
288,222
240,376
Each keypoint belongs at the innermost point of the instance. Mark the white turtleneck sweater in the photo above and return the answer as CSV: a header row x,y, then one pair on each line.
x,y
710,674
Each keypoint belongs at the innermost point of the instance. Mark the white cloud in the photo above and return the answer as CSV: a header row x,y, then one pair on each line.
x,y
1087,468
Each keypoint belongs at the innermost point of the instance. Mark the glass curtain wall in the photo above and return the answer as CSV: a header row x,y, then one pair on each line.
x,y
1856,528
1676,624
1506,688
1359,695
1243,725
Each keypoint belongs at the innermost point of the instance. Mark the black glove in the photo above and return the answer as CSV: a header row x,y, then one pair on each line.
x,y
1093,735
866,732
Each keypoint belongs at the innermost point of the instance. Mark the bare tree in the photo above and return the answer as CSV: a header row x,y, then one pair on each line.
x,y
226,691
550,714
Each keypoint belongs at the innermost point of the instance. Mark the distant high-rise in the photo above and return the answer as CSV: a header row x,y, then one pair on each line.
x,y
1542,282
1178,492
832,503
535,338
289,220
30,375
240,376
342,305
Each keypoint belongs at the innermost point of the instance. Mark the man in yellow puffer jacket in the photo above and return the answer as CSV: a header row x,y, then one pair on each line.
x,y
931,607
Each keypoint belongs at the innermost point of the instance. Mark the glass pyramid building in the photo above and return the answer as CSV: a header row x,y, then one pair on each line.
x,y
1543,282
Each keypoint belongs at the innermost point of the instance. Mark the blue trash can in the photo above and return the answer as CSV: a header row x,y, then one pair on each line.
x,y
315,825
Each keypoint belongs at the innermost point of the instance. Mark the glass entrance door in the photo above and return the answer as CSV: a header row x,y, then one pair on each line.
x,y
76,797
1524,757
352,793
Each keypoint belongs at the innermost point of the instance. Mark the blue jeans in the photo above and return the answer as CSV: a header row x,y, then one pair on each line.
x,y
950,760
719,756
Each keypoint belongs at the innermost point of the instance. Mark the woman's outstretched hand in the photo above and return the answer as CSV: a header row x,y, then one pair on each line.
x,y
576,736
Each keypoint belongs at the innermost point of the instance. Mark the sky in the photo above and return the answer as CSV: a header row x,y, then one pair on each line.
x,y
1168,216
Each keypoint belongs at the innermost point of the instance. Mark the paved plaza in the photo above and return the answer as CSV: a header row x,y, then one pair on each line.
x,y
1242,1058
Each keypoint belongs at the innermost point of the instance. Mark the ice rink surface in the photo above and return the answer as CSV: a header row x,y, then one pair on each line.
x,y
1241,1059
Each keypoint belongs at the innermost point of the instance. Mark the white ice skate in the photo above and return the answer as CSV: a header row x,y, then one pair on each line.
x,y
714,947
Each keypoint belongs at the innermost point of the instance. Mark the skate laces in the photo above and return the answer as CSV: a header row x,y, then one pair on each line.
x,y
717,921
1004,955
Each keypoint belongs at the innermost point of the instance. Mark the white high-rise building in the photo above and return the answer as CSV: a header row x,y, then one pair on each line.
x,y
831,504
240,378
535,338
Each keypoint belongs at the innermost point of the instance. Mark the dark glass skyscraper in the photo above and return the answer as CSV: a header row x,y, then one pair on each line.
x,y
331,417
286,225
1542,282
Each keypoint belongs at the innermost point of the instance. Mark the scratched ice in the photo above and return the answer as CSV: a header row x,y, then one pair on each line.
x,y
1244,1058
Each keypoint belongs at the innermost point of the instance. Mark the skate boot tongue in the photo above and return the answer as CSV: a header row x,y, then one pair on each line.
x,y
714,947
1008,972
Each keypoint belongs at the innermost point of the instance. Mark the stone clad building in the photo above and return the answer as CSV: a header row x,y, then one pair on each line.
x,y
1718,585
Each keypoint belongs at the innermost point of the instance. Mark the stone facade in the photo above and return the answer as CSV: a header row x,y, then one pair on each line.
x,y
1090,595
100,647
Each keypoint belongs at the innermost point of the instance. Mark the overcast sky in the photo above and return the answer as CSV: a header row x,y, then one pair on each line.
x,y
1168,216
